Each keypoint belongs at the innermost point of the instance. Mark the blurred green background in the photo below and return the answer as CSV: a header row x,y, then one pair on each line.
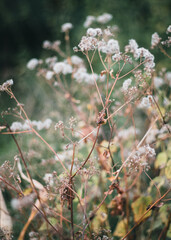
x,y
25,24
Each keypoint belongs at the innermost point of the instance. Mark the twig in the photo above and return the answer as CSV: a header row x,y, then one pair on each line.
x,y
88,154
141,218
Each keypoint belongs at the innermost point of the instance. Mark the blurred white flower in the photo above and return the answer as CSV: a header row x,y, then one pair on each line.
x,y
48,178
32,64
76,60
169,29
6,84
146,102
111,47
18,126
126,84
155,40
66,26
49,75
47,44
94,32
104,18
62,67
89,20
158,82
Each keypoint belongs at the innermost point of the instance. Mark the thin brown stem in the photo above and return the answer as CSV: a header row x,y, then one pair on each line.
x,y
88,154
141,218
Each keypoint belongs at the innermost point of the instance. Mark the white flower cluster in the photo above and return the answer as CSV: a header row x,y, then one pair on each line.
x,y
6,84
93,32
111,47
89,20
81,75
132,47
103,19
51,45
23,202
18,126
169,29
146,102
118,57
88,43
168,77
126,84
76,60
33,63
48,178
127,133
155,40
140,157
148,57
51,61
62,67
49,75
158,82
66,26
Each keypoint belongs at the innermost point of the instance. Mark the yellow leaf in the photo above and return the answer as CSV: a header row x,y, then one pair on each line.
x,y
100,219
168,170
104,146
161,160
120,230
27,191
139,207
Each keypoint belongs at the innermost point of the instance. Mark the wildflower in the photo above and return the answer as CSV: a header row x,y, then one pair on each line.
x,y
149,58
94,32
23,202
112,47
51,61
89,20
158,82
127,133
66,26
47,44
168,76
18,126
76,60
132,47
32,64
104,18
168,29
155,40
6,84
146,102
81,75
62,67
88,43
126,84
107,32
140,158
48,178
49,75
152,136
117,57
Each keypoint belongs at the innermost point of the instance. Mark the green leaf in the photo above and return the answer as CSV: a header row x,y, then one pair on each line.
x,y
168,170
159,182
161,160
139,207
52,220
169,232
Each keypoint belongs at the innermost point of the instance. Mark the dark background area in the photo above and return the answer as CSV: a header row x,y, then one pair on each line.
x,y
25,24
